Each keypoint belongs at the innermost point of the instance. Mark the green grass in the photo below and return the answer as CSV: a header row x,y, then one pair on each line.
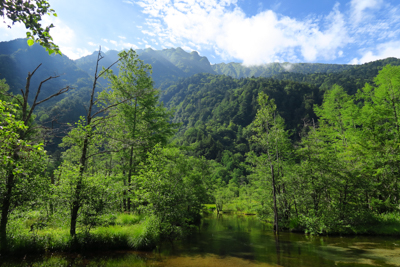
x,y
128,231
126,219
210,206
64,261
383,224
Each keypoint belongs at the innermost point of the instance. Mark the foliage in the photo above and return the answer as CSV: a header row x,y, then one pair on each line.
x,y
30,14
172,188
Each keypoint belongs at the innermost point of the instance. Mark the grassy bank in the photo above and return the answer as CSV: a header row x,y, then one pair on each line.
x,y
382,224
124,232
376,225
236,206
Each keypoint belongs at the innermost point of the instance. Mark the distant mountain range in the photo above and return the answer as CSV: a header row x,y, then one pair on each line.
x,y
169,65
200,92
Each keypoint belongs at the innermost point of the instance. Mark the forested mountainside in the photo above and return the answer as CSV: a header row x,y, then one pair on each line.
x,y
237,70
17,59
206,104
326,144
191,86
351,79
214,110
167,65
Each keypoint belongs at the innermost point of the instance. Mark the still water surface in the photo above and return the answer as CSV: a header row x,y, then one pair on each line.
x,y
231,240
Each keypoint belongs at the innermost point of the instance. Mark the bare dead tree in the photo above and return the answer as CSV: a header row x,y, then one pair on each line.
x,y
6,199
77,200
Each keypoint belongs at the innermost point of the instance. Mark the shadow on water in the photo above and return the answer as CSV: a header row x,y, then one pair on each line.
x,y
231,240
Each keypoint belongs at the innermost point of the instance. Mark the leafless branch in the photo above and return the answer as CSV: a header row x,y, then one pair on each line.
x,y
61,91
101,120
33,72
109,67
40,87
106,108
103,152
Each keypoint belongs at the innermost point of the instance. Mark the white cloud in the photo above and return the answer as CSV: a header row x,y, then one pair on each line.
x,y
122,37
359,7
187,48
223,27
105,40
287,66
114,42
62,35
65,38
148,33
265,37
129,45
385,50
128,2
17,30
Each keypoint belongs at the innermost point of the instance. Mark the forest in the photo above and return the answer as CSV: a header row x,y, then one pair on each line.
x,y
127,150
135,166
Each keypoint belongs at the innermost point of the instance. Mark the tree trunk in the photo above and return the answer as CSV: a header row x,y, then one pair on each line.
x,y
76,204
124,206
129,179
276,228
53,182
5,211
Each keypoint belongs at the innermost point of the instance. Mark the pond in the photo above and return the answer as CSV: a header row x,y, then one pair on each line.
x,y
231,240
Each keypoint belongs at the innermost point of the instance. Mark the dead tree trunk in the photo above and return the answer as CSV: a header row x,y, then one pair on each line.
x,y
276,228
6,200
77,201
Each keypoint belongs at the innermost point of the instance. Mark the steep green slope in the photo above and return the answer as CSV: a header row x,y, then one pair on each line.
x,y
168,65
350,79
215,109
17,59
237,70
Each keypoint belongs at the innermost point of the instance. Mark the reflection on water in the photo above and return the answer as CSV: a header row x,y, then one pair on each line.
x,y
231,240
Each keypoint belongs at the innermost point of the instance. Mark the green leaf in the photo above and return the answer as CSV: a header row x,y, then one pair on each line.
x,y
30,42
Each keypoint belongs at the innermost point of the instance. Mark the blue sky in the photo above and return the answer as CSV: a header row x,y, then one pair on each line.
x,y
247,31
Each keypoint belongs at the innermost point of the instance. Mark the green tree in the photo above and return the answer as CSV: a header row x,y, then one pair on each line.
x,y
378,148
88,139
173,188
274,143
26,135
140,122
21,164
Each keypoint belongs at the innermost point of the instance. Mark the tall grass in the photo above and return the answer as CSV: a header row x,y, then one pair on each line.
x,y
125,232
382,224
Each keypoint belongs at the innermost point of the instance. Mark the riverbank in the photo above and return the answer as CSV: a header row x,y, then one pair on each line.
x,y
374,225
123,231
235,241
128,231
